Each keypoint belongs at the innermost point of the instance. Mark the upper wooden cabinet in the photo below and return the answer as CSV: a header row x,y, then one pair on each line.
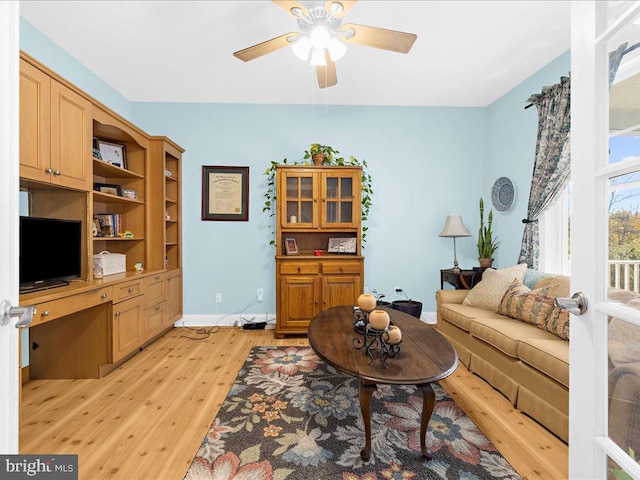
x,y
55,146
329,198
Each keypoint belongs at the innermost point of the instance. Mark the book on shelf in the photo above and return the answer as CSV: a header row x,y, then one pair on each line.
x,y
107,224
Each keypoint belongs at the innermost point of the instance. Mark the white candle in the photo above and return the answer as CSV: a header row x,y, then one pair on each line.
x,y
293,219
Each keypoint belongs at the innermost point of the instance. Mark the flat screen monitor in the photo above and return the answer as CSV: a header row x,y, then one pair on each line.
x,y
50,252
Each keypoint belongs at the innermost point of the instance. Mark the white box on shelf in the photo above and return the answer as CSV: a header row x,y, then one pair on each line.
x,y
110,262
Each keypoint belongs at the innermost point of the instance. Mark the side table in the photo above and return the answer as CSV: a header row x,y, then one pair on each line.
x,y
464,279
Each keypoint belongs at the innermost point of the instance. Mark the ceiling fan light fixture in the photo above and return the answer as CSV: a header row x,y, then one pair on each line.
x,y
337,49
301,48
317,58
320,37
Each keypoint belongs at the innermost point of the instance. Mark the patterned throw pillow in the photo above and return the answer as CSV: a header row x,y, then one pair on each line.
x,y
557,323
526,305
488,293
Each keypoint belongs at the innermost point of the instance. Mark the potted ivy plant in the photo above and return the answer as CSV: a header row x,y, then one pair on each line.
x,y
321,154
487,245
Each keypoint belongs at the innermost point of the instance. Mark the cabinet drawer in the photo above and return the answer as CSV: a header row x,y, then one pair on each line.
x,y
333,268
75,303
122,291
304,268
154,289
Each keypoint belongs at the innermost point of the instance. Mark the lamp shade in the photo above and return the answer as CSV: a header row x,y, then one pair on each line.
x,y
454,227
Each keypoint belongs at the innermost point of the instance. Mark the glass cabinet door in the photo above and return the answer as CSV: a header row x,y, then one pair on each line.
x,y
299,199
339,197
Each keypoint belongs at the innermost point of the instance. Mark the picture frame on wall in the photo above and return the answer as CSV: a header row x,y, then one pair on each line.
x,y
225,193
113,153
291,246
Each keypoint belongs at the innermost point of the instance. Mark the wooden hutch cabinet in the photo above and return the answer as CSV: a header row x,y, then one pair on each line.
x,y
316,204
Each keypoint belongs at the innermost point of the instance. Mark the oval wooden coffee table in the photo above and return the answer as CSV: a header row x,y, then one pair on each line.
x,y
425,356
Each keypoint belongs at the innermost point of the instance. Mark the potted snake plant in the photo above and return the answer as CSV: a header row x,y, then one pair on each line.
x,y
487,245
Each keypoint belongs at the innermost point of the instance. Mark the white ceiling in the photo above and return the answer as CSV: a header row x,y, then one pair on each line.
x,y
468,53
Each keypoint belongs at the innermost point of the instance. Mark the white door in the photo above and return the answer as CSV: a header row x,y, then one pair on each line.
x,y
605,161
9,141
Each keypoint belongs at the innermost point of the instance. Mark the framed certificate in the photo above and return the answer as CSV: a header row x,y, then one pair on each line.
x,y
225,193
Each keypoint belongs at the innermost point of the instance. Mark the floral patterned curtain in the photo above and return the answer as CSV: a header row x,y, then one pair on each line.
x,y
552,162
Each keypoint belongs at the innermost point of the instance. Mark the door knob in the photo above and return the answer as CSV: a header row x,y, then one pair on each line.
x,y
24,314
576,305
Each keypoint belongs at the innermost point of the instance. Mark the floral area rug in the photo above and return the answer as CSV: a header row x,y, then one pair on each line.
x,y
291,416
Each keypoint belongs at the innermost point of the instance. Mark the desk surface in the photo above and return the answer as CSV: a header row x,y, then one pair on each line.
x,y
425,355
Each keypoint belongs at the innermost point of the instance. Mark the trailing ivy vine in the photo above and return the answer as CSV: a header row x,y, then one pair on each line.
x,y
366,187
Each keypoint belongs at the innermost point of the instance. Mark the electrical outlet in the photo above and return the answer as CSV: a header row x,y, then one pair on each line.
x,y
218,298
397,292
260,294
366,289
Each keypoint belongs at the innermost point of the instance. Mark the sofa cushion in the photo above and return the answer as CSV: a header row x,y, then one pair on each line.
x,y
461,315
530,306
504,333
563,282
557,323
532,277
549,354
490,290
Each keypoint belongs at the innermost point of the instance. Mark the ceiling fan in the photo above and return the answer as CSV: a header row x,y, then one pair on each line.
x,y
322,36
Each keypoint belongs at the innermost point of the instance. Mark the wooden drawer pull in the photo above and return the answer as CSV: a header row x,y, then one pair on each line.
x,y
298,269
45,313
130,290
117,314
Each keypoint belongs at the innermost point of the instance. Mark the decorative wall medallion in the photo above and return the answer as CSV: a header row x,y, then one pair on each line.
x,y
502,194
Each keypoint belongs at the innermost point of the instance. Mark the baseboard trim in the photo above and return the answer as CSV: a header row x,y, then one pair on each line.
x,y
226,320
232,319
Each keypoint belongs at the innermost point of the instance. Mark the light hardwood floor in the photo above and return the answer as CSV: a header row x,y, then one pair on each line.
x,y
146,419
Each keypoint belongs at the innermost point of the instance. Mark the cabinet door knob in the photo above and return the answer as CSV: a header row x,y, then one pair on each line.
x,y
45,313
298,269
103,296
117,314
49,170
169,278
57,172
157,308
157,277
130,290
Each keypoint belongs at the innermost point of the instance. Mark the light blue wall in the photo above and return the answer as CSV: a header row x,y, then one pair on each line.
x,y
40,47
512,146
425,163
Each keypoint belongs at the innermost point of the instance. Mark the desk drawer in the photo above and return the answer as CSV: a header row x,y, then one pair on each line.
x,y
336,268
122,291
154,289
299,268
64,306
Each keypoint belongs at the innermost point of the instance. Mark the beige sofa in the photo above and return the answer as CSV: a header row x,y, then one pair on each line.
x,y
530,366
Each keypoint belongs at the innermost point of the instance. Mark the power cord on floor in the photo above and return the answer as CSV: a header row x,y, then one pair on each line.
x,y
207,331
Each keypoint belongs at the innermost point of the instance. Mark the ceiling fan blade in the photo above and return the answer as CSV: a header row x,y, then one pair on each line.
x,y
287,5
327,73
380,38
346,6
263,48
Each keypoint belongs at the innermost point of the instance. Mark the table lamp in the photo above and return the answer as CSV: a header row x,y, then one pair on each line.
x,y
453,228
